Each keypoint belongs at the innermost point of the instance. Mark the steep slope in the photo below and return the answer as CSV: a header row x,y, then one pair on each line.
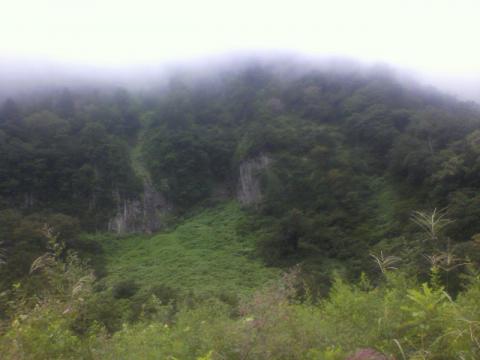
x,y
146,211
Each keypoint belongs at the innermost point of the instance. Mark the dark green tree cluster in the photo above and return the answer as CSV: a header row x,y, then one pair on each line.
x,y
68,154
64,162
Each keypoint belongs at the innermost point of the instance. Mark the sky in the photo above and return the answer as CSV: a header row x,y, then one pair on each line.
x,y
438,39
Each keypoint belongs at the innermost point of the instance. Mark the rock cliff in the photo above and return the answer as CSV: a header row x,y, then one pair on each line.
x,y
249,190
143,215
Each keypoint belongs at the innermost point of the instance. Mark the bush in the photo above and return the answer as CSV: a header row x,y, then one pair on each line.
x,y
125,289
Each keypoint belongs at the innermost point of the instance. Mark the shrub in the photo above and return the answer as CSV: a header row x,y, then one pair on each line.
x,y
125,289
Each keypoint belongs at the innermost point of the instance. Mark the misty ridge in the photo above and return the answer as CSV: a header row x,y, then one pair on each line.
x,y
23,78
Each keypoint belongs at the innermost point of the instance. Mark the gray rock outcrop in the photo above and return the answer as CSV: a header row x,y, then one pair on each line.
x,y
249,190
143,215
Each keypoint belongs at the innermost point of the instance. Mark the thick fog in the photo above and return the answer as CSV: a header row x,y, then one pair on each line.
x,y
56,42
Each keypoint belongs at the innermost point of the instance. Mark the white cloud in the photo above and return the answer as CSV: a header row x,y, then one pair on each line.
x,y
431,36
435,35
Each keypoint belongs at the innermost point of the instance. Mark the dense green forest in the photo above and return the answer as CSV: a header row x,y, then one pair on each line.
x,y
274,210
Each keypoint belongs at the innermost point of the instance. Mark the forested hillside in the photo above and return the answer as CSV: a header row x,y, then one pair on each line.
x,y
184,200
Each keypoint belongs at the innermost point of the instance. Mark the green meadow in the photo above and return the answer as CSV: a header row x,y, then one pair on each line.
x,y
204,254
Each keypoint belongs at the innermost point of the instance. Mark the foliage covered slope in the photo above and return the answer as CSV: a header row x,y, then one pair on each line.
x,y
353,153
354,150
204,254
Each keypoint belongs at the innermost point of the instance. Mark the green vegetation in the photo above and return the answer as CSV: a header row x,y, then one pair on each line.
x,y
360,242
204,254
398,316
55,157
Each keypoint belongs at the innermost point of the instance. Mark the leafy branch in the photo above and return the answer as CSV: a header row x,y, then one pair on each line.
x,y
386,263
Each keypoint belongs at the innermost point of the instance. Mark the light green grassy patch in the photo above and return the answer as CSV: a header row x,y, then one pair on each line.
x,y
204,254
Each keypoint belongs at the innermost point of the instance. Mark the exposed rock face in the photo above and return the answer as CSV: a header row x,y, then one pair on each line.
x,y
140,215
128,218
249,191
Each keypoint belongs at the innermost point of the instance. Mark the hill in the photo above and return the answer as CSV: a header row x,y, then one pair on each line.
x,y
330,158
274,209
